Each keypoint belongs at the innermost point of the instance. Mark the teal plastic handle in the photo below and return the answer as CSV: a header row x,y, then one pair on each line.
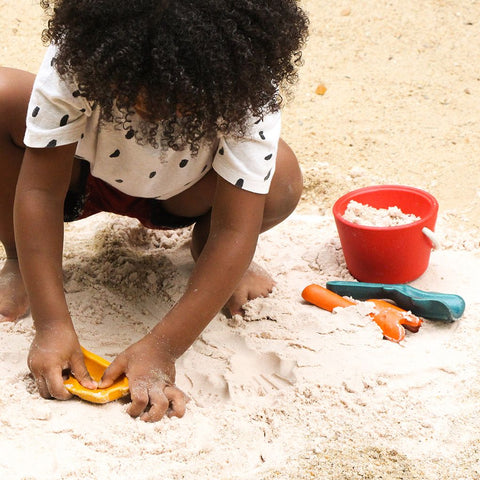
x,y
431,305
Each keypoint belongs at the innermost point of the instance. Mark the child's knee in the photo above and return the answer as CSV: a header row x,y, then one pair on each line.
x,y
287,186
289,181
15,90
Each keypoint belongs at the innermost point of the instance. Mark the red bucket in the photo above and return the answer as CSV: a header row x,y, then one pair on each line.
x,y
396,254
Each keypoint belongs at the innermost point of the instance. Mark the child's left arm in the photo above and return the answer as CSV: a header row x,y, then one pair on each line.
x,y
149,364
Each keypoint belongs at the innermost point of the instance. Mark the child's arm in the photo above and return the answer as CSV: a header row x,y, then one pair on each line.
x,y
38,215
236,222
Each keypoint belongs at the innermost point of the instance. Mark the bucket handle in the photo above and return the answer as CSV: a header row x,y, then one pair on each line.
x,y
431,236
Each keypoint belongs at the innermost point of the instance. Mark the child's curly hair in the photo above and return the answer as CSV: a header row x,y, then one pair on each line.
x,y
198,67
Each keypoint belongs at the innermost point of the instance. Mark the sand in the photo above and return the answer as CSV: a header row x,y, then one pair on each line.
x,y
290,391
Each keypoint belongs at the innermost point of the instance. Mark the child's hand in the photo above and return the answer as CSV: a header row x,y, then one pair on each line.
x,y
151,377
51,353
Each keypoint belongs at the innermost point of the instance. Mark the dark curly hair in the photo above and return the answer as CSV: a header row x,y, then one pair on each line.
x,y
200,67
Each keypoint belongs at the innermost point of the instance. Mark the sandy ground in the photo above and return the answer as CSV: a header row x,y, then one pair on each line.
x,y
291,391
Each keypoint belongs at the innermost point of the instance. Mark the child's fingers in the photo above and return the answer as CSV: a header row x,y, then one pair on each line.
x,y
177,400
49,381
80,372
113,371
158,405
140,400
55,385
42,387
170,401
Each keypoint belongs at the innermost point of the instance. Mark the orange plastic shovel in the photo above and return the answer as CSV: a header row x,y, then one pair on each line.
x,y
96,366
390,318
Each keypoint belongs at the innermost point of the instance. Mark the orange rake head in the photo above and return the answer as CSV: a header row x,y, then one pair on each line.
x,y
394,320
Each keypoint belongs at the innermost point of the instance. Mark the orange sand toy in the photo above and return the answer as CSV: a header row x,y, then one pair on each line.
x,y
390,318
96,366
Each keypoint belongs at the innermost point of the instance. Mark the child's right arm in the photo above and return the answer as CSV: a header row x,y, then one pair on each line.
x,y
38,216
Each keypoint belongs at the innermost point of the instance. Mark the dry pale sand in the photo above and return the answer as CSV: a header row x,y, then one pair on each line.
x,y
291,391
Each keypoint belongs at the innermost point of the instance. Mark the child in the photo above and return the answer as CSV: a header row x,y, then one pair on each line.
x,y
162,110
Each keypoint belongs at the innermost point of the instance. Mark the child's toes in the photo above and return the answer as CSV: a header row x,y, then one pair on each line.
x,y
236,302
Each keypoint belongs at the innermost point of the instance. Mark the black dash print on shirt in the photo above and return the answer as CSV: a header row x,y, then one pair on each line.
x,y
262,135
83,110
76,93
64,120
82,136
221,151
269,157
35,111
240,183
52,143
183,163
258,121
268,175
204,168
119,180
152,174
130,134
115,154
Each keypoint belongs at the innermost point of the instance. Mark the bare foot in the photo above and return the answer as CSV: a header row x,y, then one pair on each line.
x,y
13,298
255,283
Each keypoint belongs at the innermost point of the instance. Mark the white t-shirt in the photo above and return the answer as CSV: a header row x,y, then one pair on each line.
x,y
58,115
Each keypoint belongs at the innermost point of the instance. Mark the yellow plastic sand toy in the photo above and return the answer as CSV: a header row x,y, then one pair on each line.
x,y
96,366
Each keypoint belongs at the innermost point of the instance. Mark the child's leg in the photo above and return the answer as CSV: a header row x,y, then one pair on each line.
x,y
15,88
285,192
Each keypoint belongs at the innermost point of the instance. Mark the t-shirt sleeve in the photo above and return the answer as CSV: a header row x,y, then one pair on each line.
x,y
57,113
249,162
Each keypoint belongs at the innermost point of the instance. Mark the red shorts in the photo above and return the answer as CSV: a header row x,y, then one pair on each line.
x,y
98,196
